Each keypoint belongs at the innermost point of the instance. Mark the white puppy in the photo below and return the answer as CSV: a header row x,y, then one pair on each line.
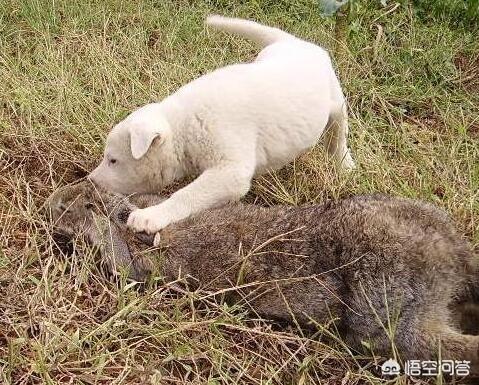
x,y
227,126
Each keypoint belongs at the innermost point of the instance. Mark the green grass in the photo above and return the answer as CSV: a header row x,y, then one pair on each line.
x,y
70,70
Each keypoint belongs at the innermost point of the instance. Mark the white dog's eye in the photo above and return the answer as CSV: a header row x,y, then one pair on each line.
x,y
112,161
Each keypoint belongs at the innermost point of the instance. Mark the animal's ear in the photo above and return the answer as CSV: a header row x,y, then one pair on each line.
x,y
142,136
141,139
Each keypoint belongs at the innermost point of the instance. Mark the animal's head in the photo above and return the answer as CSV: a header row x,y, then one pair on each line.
x,y
84,210
137,156
72,209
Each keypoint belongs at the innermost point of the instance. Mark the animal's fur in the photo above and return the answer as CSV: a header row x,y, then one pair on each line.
x,y
387,268
227,126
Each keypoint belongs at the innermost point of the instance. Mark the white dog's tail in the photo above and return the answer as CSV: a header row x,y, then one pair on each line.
x,y
260,34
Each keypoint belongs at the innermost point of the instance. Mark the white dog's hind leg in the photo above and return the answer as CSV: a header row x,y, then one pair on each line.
x,y
336,132
215,186
335,140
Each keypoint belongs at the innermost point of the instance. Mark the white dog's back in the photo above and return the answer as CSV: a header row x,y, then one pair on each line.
x,y
281,101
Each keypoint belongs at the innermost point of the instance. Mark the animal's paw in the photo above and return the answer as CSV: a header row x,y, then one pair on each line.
x,y
151,220
157,240
347,162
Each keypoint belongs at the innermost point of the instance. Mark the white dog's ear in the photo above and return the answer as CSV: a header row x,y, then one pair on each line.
x,y
142,136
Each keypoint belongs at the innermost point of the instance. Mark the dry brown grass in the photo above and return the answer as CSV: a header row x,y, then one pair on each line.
x,y
69,71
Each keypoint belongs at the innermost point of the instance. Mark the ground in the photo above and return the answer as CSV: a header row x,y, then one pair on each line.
x,y
70,70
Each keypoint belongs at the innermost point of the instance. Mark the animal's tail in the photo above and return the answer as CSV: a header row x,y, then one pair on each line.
x,y
260,34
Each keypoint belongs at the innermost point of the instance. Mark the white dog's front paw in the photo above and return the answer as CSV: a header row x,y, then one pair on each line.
x,y
150,220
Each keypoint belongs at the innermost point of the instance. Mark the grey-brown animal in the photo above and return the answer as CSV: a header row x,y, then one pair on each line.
x,y
388,270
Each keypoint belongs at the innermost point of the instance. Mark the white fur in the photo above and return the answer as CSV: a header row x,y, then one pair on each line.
x,y
227,126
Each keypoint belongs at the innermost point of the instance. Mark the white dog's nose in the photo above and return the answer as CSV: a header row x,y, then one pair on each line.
x,y
99,178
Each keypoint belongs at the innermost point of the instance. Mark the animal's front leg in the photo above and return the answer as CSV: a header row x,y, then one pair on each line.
x,y
215,186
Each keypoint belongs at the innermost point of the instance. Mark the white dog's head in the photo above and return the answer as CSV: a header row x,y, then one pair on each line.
x,y
138,155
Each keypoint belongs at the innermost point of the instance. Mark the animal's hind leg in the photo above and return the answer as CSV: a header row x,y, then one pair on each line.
x,y
336,134
416,330
436,340
432,341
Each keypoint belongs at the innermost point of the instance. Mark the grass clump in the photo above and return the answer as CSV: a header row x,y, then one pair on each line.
x,y
71,70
